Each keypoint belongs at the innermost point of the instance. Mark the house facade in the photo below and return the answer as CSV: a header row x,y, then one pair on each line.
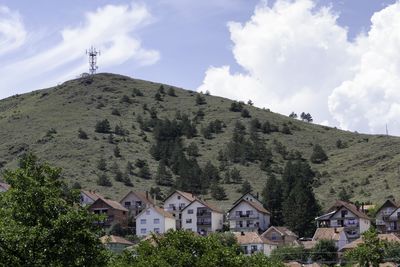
x,y
202,217
248,215
135,202
336,234
276,236
347,215
387,217
154,219
250,242
175,203
115,213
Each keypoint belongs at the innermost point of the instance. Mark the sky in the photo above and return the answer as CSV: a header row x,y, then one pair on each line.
x,y
335,59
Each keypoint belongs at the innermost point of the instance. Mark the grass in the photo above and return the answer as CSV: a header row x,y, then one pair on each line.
x,y
26,122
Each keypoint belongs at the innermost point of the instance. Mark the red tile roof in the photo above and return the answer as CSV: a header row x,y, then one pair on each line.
x,y
143,196
244,238
92,194
351,207
112,203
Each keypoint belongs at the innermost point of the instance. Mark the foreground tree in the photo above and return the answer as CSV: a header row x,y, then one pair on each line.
x,y
41,222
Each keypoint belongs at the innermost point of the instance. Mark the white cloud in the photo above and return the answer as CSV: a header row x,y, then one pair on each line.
x,y
12,31
110,28
372,97
294,55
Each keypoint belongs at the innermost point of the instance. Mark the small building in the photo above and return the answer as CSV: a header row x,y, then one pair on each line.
x,y
135,202
202,217
338,235
248,214
276,236
347,215
4,187
115,243
154,219
176,202
387,217
88,197
113,210
250,242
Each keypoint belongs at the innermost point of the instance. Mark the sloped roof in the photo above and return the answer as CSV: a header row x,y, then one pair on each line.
x,y
387,202
351,207
206,204
159,210
112,203
5,186
244,238
92,194
284,231
255,205
242,197
328,233
141,195
308,244
108,239
388,237
188,196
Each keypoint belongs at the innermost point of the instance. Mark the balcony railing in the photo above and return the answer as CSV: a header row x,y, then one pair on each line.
x,y
170,208
203,223
244,216
203,214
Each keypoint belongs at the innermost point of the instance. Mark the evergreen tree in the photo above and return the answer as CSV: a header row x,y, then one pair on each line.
x,y
102,164
144,172
217,192
210,174
200,100
161,90
129,168
245,113
246,188
235,176
344,195
272,199
163,176
103,126
293,115
192,150
318,155
171,91
158,97
103,180
117,152
82,134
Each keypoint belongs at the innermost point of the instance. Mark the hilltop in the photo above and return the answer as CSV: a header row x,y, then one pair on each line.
x,y
47,122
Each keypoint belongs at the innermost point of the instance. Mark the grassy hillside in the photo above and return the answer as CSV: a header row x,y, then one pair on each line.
x,y
47,122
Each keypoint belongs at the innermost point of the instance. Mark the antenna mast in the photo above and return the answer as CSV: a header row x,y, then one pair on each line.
x,y
92,52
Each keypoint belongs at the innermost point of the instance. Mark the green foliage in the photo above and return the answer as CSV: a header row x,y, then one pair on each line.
x,y
115,112
200,100
82,134
102,164
236,106
117,152
245,113
217,191
272,199
344,195
163,176
103,126
325,251
103,180
246,188
286,129
42,224
171,91
293,115
306,117
144,171
289,253
318,155
192,150
370,252
136,92
158,97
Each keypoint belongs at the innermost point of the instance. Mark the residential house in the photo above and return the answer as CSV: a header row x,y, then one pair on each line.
x,y
87,197
202,217
387,217
276,236
248,214
135,202
250,242
114,211
388,237
337,234
347,215
4,187
176,202
154,219
115,243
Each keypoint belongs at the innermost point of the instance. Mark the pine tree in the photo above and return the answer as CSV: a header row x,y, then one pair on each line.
x,y
200,100
103,180
246,187
171,91
82,134
272,199
210,174
117,152
129,168
192,150
103,126
163,176
217,192
144,172
318,155
235,176
102,164
158,97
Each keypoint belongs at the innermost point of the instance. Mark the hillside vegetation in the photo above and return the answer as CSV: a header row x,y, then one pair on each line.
x,y
59,125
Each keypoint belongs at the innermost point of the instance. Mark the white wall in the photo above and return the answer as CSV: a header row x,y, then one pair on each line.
x,y
193,217
268,249
217,220
364,225
150,215
260,248
132,198
177,200
263,219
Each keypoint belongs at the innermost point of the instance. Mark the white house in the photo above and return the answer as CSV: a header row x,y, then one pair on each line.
x,y
250,242
176,202
276,236
347,215
248,215
388,217
202,217
154,219
337,234
135,202
88,197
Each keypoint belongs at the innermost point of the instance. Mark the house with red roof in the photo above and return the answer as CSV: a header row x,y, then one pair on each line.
x,y
87,197
202,217
176,202
115,213
154,219
248,214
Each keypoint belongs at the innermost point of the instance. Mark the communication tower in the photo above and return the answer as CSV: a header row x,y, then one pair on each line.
x,y
92,52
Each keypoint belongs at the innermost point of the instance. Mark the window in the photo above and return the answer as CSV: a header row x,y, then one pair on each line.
x,y
239,224
143,230
238,213
157,230
127,204
344,213
274,236
156,221
147,212
190,211
253,248
179,197
188,220
142,221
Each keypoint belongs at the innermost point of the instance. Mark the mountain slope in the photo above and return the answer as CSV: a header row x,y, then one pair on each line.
x,y
47,122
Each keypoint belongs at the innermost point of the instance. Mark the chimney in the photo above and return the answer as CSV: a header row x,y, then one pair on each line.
x,y
147,194
242,233
336,230
257,195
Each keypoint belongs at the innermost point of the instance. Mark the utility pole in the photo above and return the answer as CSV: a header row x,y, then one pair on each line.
x,y
92,52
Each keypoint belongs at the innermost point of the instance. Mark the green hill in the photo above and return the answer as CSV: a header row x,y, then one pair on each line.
x,y
47,121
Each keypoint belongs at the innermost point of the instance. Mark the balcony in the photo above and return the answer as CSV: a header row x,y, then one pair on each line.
x,y
244,217
380,222
203,222
203,214
173,208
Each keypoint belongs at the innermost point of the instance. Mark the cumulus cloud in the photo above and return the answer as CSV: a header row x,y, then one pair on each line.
x,y
295,57
110,28
12,30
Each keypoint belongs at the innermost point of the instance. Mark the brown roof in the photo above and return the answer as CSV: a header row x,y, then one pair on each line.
x,y
388,237
143,196
325,233
188,196
390,202
308,244
351,207
255,205
207,204
284,231
107,239
5,186
159,210
242,197
92,194
244,238
112,203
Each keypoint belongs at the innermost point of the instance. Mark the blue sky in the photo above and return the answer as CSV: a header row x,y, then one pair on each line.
x,y
269,51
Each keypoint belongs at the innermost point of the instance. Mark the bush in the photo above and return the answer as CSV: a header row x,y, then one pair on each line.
x,y
115,112
318,155
103,126
103,180
82,134
245,113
